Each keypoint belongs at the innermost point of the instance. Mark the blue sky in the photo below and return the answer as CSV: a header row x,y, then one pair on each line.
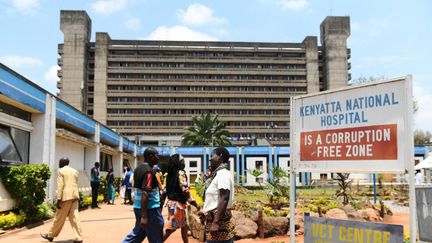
x,y
389,38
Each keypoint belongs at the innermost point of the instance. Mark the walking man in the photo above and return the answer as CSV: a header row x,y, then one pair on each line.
x,y
94,182
128,185
148,218
67,202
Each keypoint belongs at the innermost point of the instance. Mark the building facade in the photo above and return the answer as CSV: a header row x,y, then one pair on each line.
x,y
38,127
151,89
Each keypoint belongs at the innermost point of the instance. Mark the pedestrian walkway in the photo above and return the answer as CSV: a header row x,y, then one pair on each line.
x,y
111,223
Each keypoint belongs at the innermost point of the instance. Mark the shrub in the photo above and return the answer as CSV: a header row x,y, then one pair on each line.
x,y
26,184
117,184
200,189
344,190
103,186
276,190
45,211
11,220
248,209
195,196
84,201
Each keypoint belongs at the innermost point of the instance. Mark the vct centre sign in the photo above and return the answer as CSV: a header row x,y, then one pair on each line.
x,y
363,128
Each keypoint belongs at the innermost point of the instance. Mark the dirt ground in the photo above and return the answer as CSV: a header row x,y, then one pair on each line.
x,y
113,222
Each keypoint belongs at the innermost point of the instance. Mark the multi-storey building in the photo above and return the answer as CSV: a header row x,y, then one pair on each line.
x,y
147,88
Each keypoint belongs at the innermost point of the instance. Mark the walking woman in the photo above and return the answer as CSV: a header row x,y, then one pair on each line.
x,y
177,190
218,198
110,187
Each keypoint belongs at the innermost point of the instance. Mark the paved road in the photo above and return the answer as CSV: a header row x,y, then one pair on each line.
x,y
111,223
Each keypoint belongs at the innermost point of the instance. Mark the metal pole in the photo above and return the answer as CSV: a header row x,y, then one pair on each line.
x,y
292,205
409,155
374,187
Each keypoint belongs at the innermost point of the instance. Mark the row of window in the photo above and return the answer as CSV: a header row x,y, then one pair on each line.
x,y
204,76
204,54
197,111
235,136
204,65
263,124
195,100
207,88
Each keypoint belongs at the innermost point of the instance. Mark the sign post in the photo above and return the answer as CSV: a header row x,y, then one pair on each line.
x,y
364,128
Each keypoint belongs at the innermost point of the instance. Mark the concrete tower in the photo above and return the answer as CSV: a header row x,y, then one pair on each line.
x,y
312,71
334,34
76,27
100,74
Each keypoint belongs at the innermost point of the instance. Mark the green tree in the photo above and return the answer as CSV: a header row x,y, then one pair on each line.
x,y
421,137
206,129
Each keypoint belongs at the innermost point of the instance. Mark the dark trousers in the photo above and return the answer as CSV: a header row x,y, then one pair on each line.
x,y
153,230
128,195
95,192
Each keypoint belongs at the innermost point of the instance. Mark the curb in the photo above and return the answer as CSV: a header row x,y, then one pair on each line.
x,y
27,227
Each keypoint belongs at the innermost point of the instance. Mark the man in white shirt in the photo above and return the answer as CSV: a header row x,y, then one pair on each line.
x,y
418,177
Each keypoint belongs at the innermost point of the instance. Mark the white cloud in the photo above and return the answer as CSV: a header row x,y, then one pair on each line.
x,y
20,61
25,6
198,14
293,4
133,24
50,79
178,32
51,74
108,6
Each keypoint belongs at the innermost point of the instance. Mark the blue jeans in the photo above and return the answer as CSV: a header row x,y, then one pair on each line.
x,y
153,230
220,241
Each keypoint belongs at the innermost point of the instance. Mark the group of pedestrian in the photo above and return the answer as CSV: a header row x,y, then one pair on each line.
x,y
215,214
218,198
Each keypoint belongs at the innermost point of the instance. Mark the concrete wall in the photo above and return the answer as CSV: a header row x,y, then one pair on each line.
x,y
251,165
74,151
6,201
192,171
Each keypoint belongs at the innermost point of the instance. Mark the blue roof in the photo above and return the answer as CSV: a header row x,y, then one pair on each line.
x,y
109,135
18,88
73,117
421,150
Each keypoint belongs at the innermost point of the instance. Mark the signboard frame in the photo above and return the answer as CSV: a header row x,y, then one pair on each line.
x,y
301,126
335,230
405,166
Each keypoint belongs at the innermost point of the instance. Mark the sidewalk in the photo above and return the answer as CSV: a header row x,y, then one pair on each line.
x,y
111,223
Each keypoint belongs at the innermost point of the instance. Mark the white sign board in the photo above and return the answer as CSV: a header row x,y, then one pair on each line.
x,y
362,128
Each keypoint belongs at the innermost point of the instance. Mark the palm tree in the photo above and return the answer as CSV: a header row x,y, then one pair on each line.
x,y
206,129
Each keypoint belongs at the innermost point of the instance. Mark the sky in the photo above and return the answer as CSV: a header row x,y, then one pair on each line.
x,y
389,38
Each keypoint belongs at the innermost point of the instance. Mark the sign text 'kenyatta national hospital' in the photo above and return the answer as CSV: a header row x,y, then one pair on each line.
x,y
363,123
